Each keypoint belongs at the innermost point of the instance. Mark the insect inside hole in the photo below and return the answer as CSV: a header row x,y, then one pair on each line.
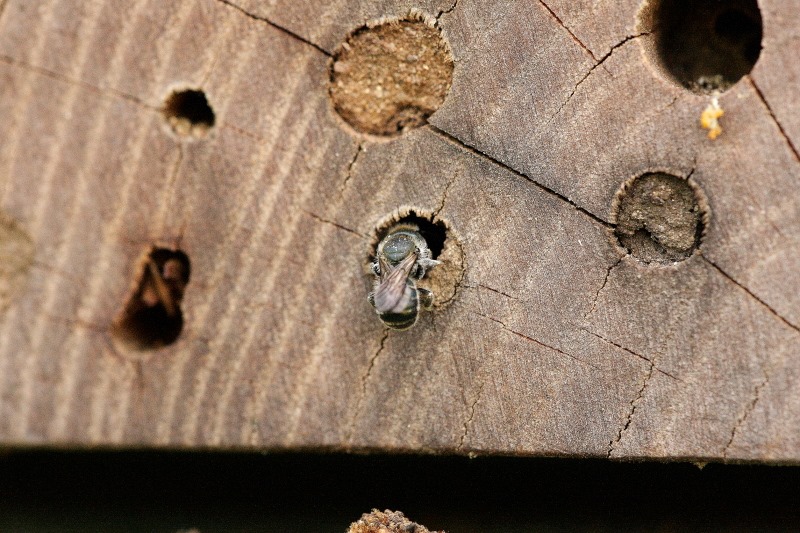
x,y
152,316
402,258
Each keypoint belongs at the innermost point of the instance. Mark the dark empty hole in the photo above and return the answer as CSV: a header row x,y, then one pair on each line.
x,y
734,25
740,29
152,316
707,45
189,112
434,233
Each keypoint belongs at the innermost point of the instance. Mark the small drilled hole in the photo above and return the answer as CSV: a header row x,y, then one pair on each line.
x,y
390,76
189,113
152,316
705,45
660,218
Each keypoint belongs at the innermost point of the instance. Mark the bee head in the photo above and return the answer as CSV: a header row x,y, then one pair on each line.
x,y
398,245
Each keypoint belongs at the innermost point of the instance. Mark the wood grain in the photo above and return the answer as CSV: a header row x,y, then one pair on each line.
x,y
554,343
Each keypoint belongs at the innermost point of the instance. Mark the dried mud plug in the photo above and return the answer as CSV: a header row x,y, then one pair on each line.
x,y
386,522
660,218
391,75
152,317
402,258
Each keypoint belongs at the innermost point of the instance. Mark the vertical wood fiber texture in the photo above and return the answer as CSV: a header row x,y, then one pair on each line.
x,y
554,344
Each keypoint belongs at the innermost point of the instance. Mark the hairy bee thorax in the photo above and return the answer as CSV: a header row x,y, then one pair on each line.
x,y
402,258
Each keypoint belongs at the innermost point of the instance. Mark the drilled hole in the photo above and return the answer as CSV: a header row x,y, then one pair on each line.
x,y
445,246
152,316
660,218
704,45
390,76
189,113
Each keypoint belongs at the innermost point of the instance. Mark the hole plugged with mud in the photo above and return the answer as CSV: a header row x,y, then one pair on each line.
x,y
152,316
660,218
705,45
392,75
189,113
444,279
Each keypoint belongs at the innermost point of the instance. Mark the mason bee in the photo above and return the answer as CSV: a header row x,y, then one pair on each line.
x,y
402,258
152,316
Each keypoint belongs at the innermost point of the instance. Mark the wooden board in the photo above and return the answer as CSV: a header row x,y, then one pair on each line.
x,y
554,342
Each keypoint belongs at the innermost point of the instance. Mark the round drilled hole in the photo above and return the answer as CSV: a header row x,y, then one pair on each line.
x,y
444,279
189,113
660,218
704,45
152,316
389,76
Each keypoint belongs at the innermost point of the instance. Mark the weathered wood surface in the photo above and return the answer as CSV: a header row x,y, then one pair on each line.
x,y
553,345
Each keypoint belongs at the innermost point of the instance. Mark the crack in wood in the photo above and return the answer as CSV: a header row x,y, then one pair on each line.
x,y
749,408
752,294
332,223
460,282
640,356
634,404
571,33
535,341
782,131
364,379
501,293
597,64
243,132
468,421
277,26
93,328
603,286
458,142
349,174
444,195
107,93
445,12
670,104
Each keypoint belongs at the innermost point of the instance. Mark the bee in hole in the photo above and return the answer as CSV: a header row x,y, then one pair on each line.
x,y
402,258
152,317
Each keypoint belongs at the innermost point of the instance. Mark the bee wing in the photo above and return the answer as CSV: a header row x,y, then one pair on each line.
x,y
393,283
161,288
384,268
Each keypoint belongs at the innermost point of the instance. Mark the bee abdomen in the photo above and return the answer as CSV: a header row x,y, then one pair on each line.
x,y
404,315
402,320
